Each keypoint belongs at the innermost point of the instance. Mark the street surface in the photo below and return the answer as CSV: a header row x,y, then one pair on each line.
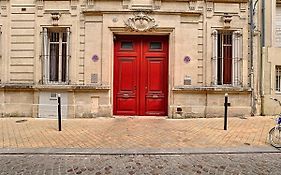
x,y
134,133
45,164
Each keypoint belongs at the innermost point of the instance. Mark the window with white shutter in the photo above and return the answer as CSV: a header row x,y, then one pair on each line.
x,y
278,79
1,70
226,58
278,26
56,54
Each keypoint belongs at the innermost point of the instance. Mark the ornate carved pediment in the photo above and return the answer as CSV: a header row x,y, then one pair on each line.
x,y
141,22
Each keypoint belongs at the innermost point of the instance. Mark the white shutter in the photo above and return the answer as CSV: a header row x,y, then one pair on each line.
x,y
236,58
68,54
215,57
0,55
278,27
45,56
0,44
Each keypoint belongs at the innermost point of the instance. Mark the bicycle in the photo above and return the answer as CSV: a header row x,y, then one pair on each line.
x,y
275,132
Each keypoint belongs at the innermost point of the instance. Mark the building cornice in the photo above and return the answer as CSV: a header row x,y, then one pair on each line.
x,y
229,1
96,12
225,1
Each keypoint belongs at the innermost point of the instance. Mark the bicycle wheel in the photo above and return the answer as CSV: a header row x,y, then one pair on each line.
x,y
275,137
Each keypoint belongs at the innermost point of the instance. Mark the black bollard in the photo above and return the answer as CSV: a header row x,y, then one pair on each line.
x,y
226,104
59,111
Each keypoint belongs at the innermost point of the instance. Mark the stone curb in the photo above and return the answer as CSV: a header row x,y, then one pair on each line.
x,y
148,151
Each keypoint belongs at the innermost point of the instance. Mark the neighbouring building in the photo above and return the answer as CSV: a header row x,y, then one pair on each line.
x,y
175,58
269,25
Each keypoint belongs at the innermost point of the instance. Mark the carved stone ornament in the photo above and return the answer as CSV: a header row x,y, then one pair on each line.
x,y
227,20
55,18
141,22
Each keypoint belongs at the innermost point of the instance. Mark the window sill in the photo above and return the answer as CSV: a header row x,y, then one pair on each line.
x,y
54,87
212,88
16,86
72,87
277,93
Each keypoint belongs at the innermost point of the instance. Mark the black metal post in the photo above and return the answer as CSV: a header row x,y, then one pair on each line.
x,y
226,104
59,111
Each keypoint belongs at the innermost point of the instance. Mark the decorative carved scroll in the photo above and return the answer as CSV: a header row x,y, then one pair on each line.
x,y
141,22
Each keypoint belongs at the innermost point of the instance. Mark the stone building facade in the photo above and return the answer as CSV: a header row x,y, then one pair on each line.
x,y
174,58
268,27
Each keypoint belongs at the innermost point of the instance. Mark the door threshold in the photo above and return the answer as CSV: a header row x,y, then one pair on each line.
x,y
139,117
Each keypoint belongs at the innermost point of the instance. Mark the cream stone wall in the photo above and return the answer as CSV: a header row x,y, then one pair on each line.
x,y
272,55
270,58
93,25
16,103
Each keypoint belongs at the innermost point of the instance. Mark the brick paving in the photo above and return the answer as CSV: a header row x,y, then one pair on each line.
x,y
134,133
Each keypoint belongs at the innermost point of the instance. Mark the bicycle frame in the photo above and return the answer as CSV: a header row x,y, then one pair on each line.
x,y
275,132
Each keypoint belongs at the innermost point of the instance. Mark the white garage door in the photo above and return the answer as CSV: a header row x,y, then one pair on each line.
x,y
48,105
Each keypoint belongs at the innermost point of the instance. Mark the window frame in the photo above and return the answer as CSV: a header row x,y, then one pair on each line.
x,y
47,31
155,50
127,49
1,60
223,45
278,78
277,29
236,60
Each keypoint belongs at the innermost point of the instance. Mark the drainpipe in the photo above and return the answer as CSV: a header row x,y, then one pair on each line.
x,y
263,24
251,67
261,54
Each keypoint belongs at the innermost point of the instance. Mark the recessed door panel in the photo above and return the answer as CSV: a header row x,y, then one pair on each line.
x,y
155,74
127,81
127,74
126,106
140,75
155,83
154,106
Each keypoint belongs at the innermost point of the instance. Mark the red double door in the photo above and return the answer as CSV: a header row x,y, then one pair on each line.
x,y
141,75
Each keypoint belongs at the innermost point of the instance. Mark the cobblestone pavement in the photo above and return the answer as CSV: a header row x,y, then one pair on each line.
x,y
142,164
126,133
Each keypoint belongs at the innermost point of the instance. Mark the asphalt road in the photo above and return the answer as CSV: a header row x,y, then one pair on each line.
x,y
44,164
